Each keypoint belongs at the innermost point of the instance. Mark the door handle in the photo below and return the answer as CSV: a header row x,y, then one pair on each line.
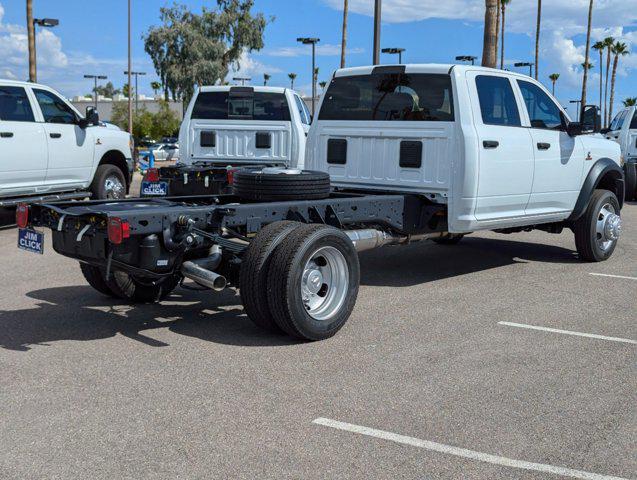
x,y
6,134
543,146
490,144
55,135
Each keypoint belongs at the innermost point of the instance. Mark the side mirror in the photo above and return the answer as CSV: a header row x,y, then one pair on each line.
x,y
591,120
91,118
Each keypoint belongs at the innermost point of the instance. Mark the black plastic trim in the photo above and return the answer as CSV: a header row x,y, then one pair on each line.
x,y
600,169
208,139
410,154
389,69
337,151
264,140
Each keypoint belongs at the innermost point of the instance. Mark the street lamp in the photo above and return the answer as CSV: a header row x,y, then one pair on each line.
x,y
395,51
243,80
525,64
466,58
42,22
96,78
313,42
136,74
578,103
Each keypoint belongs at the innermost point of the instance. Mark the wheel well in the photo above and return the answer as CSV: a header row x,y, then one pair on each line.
x,y
614,182
114,157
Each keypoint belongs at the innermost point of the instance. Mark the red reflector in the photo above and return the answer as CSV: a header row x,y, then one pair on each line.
x,y
118,230
230,175
152,175
22,215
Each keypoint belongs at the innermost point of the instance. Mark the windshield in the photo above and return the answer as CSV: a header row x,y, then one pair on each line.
x,y
242,105
389,97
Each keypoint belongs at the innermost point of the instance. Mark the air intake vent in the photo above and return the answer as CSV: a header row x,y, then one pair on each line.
x,y
337,151
264,140
410,154
208,139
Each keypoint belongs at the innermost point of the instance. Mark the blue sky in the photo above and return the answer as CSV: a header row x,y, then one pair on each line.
x,y
91,38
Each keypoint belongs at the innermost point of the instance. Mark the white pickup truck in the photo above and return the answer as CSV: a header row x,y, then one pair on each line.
x,y
228,127
414,152
623,130
49,151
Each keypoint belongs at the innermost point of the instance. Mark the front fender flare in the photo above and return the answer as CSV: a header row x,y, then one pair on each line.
x,y
605,170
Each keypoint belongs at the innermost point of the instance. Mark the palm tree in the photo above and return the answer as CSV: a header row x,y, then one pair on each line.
x,y
586,55
344,40
588,66
292,77
323,84
608,42
497,29
266,79
31,42
155,86
630,102
489,46
554,77
619,49
537,37
600,47
503,5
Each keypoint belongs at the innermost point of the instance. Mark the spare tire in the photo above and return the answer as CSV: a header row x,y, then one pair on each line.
x,y
280,184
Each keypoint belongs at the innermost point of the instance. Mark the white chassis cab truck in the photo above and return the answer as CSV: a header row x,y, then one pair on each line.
x,y
414,152
623,130
49,151
226,128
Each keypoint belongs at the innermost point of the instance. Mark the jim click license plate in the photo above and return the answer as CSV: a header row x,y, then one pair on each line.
x,y
30,240
155,188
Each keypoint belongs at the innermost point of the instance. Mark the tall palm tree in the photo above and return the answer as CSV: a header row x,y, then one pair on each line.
x,y
155,86
600,47
587,66
266,79
323,84
609,42
489,46
503,6
497,30
31,42
344,40
587,55
292,77
554,77
537,37
619,49
630,102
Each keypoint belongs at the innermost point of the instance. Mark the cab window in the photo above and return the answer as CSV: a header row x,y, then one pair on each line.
x,y
303,112
54,109
618,121
633,123
497,101
543,112
241,104
14,105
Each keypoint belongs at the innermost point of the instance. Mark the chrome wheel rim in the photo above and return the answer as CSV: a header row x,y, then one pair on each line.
x,y
324,283
608,227
113,187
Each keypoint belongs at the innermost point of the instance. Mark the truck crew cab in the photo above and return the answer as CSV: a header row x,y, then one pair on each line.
x,y
623,130
226,128
49,151
413,152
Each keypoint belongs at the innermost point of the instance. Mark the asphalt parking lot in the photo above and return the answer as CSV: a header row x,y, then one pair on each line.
x,y
423,382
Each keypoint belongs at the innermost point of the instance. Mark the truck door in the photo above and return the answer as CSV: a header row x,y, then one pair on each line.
x,y
505,172
23,147
71,148
631,141
559,158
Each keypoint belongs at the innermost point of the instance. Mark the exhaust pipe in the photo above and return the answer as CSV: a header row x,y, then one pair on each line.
x,y
203,276
370,238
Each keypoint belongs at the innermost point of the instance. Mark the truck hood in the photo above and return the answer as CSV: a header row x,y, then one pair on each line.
x,y
596,147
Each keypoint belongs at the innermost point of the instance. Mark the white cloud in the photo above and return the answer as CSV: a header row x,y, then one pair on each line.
x,y
324,50
247,66
400,11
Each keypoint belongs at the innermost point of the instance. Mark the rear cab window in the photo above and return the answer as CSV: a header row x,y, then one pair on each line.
x,y
241,104
389,97
498,105
633,123
15,105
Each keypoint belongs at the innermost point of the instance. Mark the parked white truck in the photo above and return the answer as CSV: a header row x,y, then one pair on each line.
x,y
225,128
414,152
49,151
623,130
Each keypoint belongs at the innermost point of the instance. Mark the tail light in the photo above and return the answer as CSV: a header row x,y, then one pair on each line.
x,y
230,175
152,175
118,230
22,215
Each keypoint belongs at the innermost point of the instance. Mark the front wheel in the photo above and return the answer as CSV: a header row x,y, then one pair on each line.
x,y
599,228
108,183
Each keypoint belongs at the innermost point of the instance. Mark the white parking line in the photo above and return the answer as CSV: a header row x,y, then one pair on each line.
x,y
568,332
462,452
612,276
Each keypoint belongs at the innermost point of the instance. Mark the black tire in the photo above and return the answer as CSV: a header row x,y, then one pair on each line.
x,y
585,228
630,193
134,290
258,185
95,279
99,186
253,277
449,240
285,278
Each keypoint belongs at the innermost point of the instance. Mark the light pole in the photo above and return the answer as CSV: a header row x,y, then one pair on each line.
x,y
266,79
525,64
378,4
467,58
96,78
42,22
313,42
137,74
395,51
578,103
130,67
243,80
